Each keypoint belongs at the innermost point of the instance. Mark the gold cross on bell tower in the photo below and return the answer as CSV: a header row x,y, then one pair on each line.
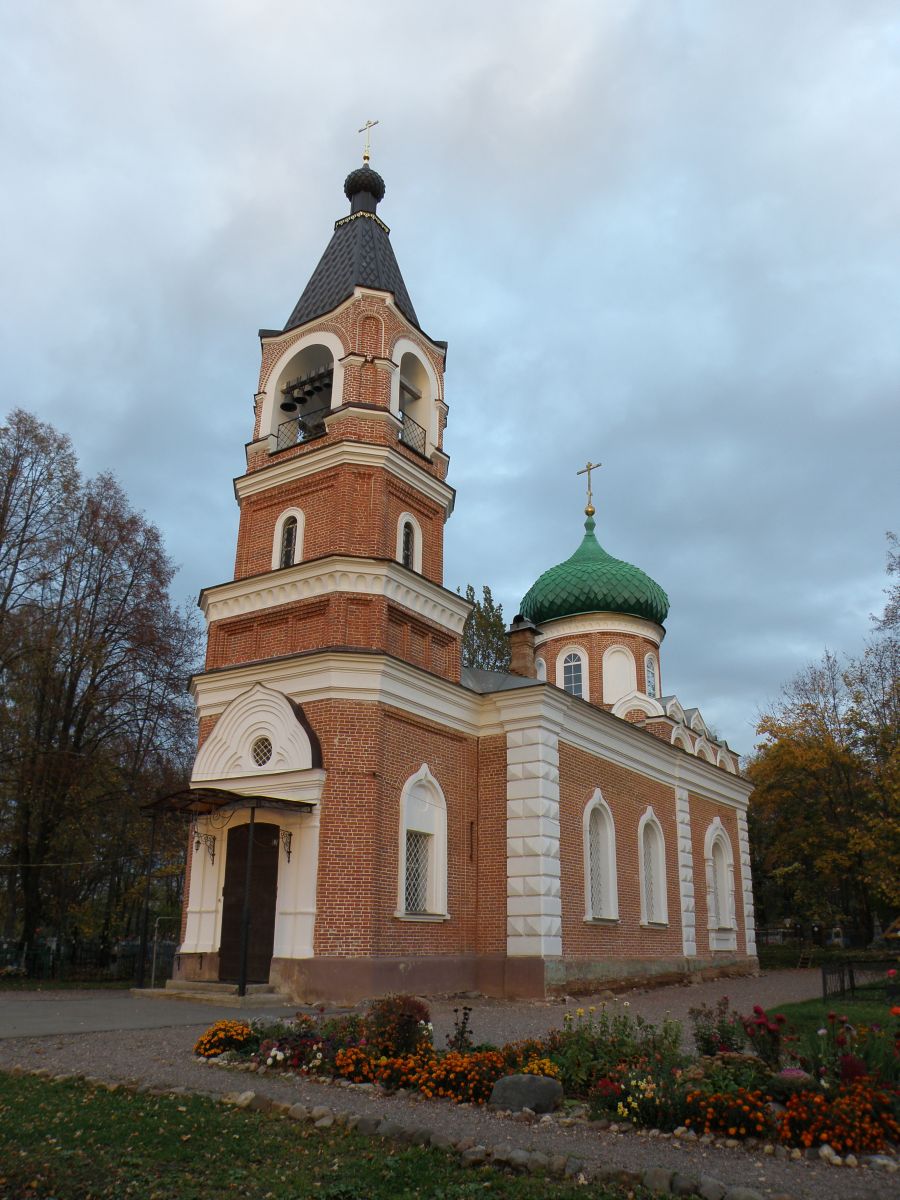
x,y
369,125
591,466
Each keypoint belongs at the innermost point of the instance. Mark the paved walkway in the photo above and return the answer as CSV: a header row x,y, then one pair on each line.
x,y
70,1032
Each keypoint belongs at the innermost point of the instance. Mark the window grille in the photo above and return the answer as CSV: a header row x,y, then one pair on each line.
x,y
572,674
649,881
288,542
651,677
409,539
596,852
417,848
261,751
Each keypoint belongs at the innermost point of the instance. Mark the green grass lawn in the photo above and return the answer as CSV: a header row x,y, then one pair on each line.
x,y
810,1015
70,1141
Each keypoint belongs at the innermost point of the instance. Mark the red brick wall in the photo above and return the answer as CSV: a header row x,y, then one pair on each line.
x,y
375,750
627,795
347,510
595,644
336,620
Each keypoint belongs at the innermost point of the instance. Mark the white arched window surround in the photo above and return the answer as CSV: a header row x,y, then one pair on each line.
x,y
272,416
726,761
540,670
297,514
652,870
721,918
423,818
681,738
407,346
619,673
705,751
560,672
651,675
408,519
601,889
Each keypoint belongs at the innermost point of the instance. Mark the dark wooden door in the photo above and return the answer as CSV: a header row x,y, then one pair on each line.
x,y
263,890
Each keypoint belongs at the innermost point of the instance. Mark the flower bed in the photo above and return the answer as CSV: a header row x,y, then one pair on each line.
x,y
757,1079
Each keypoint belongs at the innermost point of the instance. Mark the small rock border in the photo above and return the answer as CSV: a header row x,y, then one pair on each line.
x,y
579,1116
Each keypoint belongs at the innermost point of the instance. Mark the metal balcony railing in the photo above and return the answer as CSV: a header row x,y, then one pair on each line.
x,y
300,429
412,434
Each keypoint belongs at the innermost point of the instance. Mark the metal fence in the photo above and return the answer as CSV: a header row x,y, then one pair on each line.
x,y
87,961
859,979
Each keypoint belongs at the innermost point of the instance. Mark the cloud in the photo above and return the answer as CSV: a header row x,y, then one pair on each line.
x,y
664,236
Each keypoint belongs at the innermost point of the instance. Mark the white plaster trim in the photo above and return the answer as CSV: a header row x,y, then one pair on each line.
x,y
356,454
612,692
610,910
279,529
357,412
533,904
660,915
680,737
639,700
717,835
746,882
675,711
295,911
686,874
375,678
585,669
337,573
705,750
599,623
417,540
258,712
726,760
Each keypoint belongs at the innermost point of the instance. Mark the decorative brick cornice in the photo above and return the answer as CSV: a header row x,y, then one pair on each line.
x,y
356,454
337,573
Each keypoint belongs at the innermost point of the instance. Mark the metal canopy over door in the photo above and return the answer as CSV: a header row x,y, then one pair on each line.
x,y
261,896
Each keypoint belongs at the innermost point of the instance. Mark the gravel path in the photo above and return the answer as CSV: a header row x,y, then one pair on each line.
x,y
161,1057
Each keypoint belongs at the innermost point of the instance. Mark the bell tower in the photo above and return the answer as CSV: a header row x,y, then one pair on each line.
x,y
344,499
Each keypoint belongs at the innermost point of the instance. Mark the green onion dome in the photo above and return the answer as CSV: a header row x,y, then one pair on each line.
x,y
593,581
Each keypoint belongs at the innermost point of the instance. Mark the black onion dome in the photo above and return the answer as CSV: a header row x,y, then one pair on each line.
x,y
362,184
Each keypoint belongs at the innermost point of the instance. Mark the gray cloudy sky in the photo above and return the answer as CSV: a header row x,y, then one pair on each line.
x,y
663,234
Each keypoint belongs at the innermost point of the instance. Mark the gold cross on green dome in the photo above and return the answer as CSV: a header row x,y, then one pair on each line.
x,y
591,466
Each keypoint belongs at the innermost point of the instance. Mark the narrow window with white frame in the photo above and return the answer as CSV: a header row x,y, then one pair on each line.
x,y
721,916
288,542
409,542
652,870
422,874
601,884
573,674
650,672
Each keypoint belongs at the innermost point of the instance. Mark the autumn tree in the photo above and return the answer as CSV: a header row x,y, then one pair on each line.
x,y
825,815
484,641
95,659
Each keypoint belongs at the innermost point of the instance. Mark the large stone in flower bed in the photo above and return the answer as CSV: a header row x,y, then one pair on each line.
x,y
512,1093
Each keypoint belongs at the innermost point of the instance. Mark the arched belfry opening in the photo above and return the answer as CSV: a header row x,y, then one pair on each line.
x,y
304,394
415,403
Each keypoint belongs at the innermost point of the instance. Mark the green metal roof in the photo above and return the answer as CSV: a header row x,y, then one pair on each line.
x,y
593,581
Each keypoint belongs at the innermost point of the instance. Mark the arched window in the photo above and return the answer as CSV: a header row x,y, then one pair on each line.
x,y
422,876
409,542
572,674
601,898
721,919
652,870
540,668
287,542
650,672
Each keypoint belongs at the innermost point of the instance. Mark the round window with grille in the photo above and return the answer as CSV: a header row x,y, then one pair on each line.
x,y
261,750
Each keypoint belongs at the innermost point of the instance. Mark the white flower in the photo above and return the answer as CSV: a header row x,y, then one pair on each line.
x,y
822,1032
269,1062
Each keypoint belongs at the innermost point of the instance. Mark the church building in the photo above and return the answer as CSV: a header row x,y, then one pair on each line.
x,y
368,815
